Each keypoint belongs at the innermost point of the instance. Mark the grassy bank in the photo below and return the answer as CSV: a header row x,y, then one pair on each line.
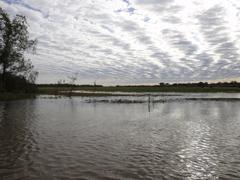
x,y
139,89
15,96
93,91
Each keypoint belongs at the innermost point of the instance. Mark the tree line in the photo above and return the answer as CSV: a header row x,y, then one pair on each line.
x,y
203,84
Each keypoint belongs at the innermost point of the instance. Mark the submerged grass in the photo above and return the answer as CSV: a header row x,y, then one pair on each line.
x,y
129,101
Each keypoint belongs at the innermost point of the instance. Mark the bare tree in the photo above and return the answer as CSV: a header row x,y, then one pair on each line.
x,y
73,79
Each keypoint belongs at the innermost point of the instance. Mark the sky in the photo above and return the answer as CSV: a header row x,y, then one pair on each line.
x,y
133,41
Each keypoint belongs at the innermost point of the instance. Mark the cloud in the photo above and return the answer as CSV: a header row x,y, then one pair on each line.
x,y
133,41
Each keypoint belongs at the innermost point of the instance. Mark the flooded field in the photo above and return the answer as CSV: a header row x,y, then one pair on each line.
x,y
156,136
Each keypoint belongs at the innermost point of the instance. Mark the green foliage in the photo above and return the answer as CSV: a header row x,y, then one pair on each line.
x,y
14,42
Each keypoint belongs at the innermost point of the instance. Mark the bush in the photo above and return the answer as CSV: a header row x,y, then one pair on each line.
x,y
17,84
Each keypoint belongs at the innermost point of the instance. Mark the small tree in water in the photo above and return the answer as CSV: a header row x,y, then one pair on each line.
x,y
73,79
14,42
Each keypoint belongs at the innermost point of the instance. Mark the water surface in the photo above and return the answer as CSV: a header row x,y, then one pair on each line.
x,y
74,139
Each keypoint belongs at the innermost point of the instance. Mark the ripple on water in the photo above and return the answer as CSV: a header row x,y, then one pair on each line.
x,y
71,139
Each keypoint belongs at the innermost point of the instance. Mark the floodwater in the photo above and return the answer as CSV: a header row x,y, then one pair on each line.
x,y
106,138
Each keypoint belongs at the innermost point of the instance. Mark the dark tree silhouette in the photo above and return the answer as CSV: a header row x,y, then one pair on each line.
x,y
14,42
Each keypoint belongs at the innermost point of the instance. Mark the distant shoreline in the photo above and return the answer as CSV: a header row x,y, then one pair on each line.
x,y
104,90
100,91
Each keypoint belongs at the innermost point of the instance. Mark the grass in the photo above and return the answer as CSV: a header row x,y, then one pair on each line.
x,y
139,89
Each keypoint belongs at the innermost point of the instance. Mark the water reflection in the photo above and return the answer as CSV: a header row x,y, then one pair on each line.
x,y
16,138
71,139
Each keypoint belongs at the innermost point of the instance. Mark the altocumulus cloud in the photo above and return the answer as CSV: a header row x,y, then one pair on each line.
x,y
133,41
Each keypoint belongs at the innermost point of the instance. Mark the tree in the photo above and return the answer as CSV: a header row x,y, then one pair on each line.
x,y
14,42
72,79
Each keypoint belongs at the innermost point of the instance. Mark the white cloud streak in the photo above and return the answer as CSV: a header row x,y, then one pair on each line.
x,y
135,41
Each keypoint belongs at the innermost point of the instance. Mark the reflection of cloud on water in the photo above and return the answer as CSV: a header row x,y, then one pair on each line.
x,y
209,133
191,139
199,155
